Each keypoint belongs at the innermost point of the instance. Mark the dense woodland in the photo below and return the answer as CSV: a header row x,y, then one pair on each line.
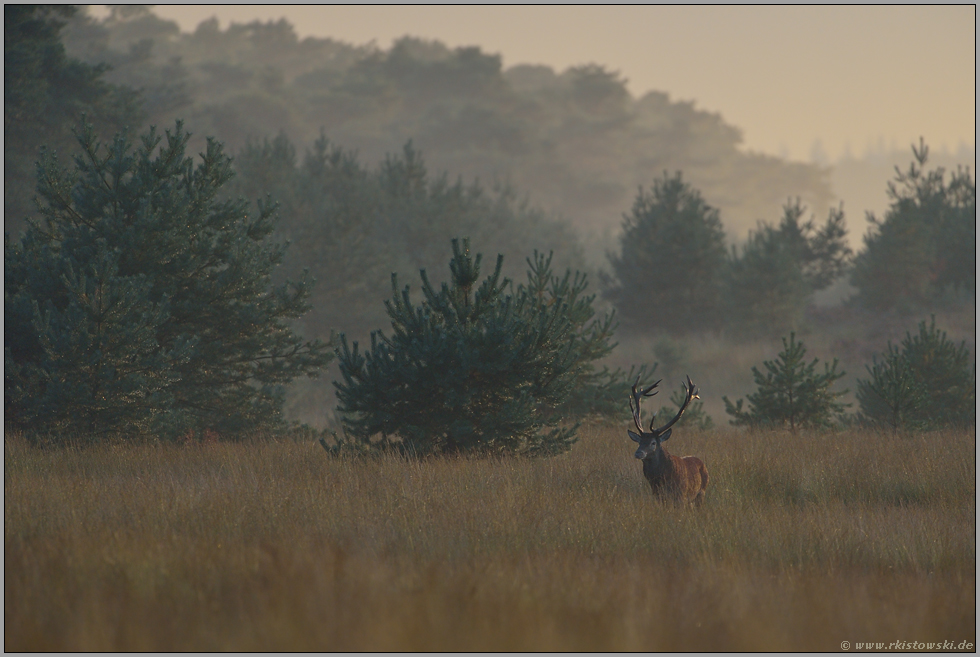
x,y
368,162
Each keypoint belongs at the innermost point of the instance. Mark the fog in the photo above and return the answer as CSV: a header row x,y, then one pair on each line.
x,y
849,77
551,120
847,89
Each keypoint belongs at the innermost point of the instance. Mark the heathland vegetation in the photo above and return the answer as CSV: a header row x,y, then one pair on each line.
x,y
801,544
161,493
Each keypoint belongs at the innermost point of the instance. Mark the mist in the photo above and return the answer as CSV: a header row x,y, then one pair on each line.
x,y
518,155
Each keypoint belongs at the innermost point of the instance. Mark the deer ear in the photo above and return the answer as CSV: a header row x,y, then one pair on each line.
x,y
665,435
635,437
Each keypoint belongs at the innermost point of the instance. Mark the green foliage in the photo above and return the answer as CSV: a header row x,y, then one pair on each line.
x,y
670,271
926,242
142,303
892,397
672,354
791,393
763,289
927,383
780,267
45,93
473,369
600,393
328,207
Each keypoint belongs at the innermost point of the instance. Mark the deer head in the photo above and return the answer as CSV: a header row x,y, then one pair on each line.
x,y
650,442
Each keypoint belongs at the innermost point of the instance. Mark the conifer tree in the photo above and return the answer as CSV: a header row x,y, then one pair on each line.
x,y
791,393
142,303
925,245
773,277
694,416
892,396
670,271
474,369
46,92
927,383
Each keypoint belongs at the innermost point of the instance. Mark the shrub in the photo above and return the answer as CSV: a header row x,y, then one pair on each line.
x,y
474,369
791,393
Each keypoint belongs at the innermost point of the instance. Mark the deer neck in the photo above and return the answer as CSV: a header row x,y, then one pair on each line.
x,y
658,465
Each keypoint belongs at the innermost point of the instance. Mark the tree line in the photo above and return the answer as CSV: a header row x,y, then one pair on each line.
x,y
148,296
920,255
576,140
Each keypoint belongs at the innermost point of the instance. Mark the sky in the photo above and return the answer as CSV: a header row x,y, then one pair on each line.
x,y
809,83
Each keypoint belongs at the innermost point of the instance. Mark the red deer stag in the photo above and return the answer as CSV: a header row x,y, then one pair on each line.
x,y
674,478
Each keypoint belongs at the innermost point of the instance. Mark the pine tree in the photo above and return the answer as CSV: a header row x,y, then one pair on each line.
x,y
925,244
947,376
352,225
143,304
474,369
45,93
927,383
780,267
791,393
670,271
892,396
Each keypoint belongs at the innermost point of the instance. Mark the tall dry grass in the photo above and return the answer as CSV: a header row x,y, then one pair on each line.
x,y
803,542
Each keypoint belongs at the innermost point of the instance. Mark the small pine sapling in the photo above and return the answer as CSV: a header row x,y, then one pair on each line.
x,y
927,382
791,393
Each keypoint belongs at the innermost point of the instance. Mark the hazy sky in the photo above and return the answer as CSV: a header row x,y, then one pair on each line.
x,y
850,77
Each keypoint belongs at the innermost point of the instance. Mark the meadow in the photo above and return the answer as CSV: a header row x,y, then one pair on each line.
x,y
803,542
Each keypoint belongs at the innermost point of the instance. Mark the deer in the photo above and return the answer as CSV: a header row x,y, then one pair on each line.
x,y
681,480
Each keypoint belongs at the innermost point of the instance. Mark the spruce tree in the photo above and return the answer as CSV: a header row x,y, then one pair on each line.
x,y
791,393
474,368
142,303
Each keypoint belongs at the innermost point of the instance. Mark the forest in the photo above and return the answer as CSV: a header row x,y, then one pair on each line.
x,y
316,346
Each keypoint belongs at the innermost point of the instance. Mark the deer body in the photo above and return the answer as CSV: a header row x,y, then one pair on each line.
x,y
681,480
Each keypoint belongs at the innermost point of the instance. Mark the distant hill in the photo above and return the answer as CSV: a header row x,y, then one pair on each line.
x,y
575,141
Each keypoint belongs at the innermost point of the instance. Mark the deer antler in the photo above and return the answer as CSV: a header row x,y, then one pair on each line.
x,y
692,393
635,401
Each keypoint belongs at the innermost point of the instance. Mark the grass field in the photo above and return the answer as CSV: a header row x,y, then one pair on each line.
x,y
803,542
